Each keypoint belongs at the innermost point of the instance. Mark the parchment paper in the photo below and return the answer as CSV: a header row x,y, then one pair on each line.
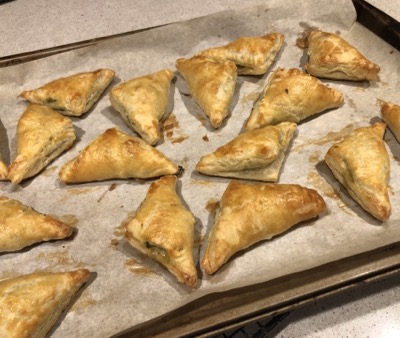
x,y
127,288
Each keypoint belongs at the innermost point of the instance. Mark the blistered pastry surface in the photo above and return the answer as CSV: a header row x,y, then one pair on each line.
x,y
127,286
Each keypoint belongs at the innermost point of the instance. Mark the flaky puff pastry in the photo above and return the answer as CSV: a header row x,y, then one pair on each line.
x,y
332,57
250,213
291,95
142,102
211,84
252,55
3,171
21,226
361,163
31,304
390,113
163,229
255,154
42,135
117,155
73,95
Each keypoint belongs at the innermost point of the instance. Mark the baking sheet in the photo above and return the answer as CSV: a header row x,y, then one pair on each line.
x,y
127,288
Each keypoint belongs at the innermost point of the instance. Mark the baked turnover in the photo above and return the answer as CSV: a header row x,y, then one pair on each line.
x,y
163,229
361,163
332,57
73,95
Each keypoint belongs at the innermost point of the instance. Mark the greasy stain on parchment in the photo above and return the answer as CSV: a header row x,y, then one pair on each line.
x,y
330,137
114,243
202,183
351,103
120,230
49,171
81,191
132,265
212,205
68,219
78,191
251,98
314,157
110,188
172,130
59,258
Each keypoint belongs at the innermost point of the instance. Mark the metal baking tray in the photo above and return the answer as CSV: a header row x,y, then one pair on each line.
x,y
216,313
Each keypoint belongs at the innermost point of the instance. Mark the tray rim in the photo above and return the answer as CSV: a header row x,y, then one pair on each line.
x,y
318,283
218,312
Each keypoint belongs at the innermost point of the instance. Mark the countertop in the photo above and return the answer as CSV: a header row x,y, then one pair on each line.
x,y
31,25
371,310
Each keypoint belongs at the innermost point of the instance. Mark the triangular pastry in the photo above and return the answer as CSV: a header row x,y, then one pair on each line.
x,y
291,95
255,154
250,213
42,134
332,57
390,113
361,163
163,229
117,155
73,95
31,304
211,84
142,102
21,226
252,55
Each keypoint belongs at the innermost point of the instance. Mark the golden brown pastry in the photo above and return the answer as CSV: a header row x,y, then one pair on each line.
x,y
163,229
142,102
3,171
73,95
255,154
331,57
114,155
250,213
31,304
361,163
42,134
211,84
252,55
391,115
21,226
291,95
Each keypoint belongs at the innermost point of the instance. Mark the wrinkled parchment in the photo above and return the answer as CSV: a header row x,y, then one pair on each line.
x,y
127,288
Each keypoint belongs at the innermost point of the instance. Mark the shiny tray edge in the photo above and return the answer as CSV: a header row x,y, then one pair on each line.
x,y
217,313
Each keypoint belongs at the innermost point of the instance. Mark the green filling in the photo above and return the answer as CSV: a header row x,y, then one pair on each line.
x,y
159,253
50,100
